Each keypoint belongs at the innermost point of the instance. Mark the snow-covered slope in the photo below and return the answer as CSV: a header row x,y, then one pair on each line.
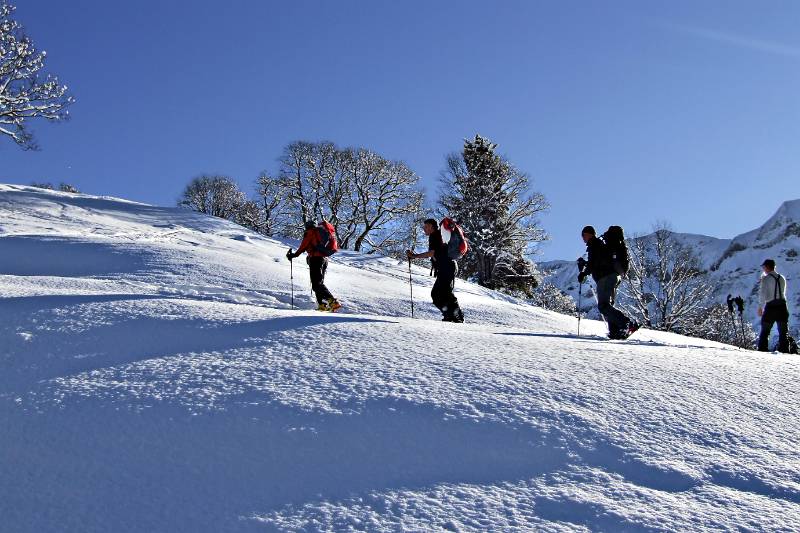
x,y
154,378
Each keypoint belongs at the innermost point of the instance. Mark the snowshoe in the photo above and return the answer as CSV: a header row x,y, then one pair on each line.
x,y
333,305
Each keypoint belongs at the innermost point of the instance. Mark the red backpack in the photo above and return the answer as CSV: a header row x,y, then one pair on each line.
x,y
327,239
453,237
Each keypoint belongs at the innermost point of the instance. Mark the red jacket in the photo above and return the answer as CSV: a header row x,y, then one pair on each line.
x,y
311,239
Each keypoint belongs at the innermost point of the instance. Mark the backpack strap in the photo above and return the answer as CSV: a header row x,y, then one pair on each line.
x,y
777,279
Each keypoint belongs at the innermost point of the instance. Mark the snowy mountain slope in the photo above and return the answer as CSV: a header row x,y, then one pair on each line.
x,y
737,271
153,378
733,264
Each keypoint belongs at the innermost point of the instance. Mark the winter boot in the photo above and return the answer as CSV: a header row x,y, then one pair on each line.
x,y
633,326
333,304
323,306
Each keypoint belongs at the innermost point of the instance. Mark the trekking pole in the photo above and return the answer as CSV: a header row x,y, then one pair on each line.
x,y
411,286
740,305
291,277
732,316
580,294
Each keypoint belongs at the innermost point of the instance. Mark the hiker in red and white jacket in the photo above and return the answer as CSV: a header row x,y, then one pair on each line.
x,y
445,270
317,264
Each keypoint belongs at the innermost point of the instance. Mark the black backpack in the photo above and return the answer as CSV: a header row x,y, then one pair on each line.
x,y
614,239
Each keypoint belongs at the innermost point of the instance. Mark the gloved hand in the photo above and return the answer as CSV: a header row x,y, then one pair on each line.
x,y
582,276
290,255
581,263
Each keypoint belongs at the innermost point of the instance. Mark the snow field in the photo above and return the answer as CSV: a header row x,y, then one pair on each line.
x,y
162,383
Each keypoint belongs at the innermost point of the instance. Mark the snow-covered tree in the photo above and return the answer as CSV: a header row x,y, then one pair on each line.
x,y
217,196
25,92
548,296
250,216
666,288
386,200
370,200
492,202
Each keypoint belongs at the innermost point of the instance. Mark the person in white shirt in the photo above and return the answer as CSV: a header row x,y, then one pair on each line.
x,y
772,307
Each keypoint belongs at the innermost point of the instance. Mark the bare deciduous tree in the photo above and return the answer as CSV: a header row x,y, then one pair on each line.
x,y
271,196
24,93
385,194
367,198
666,287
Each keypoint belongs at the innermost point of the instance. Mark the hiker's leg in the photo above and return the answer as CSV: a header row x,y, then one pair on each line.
x,y
766,328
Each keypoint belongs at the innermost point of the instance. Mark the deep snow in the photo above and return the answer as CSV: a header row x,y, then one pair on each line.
x,y
154,378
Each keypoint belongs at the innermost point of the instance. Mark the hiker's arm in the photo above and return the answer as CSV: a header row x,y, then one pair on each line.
x,y
412,255
303,245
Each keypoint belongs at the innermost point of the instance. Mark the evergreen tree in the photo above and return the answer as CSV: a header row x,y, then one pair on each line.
x,y
490,199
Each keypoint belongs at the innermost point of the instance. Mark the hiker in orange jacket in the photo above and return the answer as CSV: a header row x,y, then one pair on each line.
x,y
317,266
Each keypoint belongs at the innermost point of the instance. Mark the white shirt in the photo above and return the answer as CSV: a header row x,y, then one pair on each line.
x,y
768,291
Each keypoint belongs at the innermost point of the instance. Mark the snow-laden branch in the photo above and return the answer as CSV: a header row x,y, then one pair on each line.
x,y
25,92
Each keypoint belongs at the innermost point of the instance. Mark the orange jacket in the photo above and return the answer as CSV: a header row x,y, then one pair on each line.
x,y
310,241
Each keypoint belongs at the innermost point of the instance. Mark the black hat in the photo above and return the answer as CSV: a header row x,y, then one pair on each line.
x,y
769,263
310,224
432,222
588,229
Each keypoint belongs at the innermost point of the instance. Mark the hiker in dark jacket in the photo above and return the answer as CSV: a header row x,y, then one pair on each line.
x,y
772,307
601,268
317,266
445,270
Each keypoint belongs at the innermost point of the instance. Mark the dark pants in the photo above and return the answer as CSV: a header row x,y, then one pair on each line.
x,y
775,311
316,269
442,292
606,294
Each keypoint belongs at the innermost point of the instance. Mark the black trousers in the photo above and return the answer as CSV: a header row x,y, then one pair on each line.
x,y
317,266
606,295
442,292
774,312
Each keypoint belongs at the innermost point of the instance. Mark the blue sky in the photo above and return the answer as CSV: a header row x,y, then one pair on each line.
x,y
621,112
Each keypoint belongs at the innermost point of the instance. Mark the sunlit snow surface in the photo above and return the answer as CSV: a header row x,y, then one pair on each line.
x,y
154,378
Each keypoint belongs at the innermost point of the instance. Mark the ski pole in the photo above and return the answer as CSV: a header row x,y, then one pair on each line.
x,y
580,295
411,286
740,305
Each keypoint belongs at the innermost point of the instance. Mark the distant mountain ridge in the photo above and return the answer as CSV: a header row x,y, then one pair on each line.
x,y
733,265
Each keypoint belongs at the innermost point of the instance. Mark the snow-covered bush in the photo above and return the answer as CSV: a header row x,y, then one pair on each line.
x,y
63,187
716,323
548,296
